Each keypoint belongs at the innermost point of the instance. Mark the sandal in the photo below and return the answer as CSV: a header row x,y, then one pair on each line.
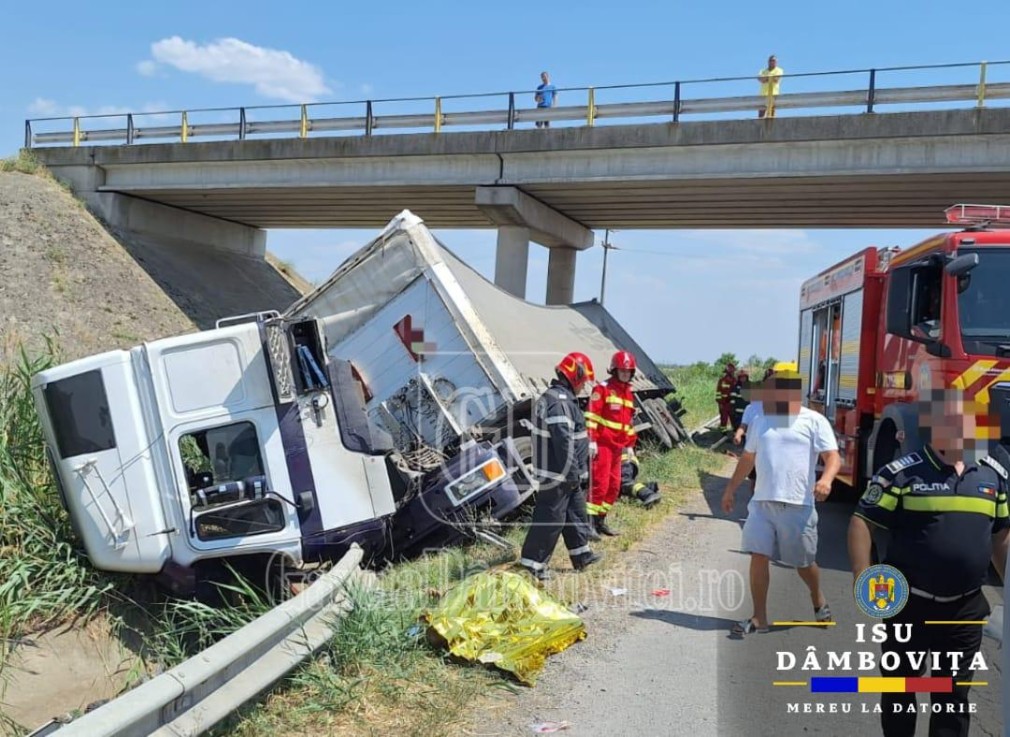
x,y
747,627
823,614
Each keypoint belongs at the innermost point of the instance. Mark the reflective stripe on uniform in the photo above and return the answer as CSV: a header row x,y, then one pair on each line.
x,y
579,551
593,417
530,563
593,509
580,435
539,433
949,504
615,399
559,420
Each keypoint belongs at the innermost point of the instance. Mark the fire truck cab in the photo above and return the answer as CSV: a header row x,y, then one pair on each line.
x,y
885,323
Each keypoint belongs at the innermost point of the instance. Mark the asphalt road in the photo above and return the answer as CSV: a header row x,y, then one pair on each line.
x,y
666,664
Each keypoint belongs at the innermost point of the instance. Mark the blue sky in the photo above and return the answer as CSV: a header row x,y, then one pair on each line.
x,y
685,295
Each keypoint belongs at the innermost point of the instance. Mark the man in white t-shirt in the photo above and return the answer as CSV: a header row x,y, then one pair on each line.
x,y
784,444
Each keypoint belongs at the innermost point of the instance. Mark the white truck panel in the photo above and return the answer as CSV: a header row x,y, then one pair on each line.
x,y
342,486
209,373
107,478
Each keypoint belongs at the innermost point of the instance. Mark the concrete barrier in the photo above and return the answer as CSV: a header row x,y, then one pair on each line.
x,y
195,695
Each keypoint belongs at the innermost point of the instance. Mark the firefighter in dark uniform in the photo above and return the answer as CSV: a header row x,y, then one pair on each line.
x,y
947,519
561,460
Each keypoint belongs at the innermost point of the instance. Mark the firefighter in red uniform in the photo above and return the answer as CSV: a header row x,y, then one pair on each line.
x,y
723,396
610,421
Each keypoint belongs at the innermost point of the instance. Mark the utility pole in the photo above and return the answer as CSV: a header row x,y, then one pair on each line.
x,y
606,249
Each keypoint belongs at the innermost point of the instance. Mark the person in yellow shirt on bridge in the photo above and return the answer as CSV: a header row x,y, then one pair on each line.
x,y
769,77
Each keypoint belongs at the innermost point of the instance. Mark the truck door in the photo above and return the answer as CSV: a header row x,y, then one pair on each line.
x,y
227,472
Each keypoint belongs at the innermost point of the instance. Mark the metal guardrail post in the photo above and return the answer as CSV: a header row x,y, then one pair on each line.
x,y
872,91
77,131
185,128
676,102
241,124
129,128
591,108
303,128
981,84
438,114
28,134
512,111
369,120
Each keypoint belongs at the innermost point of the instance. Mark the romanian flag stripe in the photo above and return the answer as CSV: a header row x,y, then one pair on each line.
x,y
847,684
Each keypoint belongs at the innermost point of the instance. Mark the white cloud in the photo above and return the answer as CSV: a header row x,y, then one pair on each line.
x,y
273,73
147,68
45,107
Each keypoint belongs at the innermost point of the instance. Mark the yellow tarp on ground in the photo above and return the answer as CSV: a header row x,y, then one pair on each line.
x,y
502,618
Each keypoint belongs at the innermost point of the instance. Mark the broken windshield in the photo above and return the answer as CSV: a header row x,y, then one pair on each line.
x,y
983,301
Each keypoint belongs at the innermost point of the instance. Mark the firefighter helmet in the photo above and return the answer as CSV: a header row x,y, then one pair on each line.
x,y
576,368
623,360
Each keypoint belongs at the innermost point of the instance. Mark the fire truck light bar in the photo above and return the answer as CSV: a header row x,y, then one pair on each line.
x,y
978,214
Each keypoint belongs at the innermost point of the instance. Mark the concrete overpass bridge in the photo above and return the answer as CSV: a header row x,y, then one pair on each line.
x,y
554,186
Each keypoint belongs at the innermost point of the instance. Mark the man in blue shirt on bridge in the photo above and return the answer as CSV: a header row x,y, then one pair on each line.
x,y
546,96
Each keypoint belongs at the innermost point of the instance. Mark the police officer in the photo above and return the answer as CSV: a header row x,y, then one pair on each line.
x,y
561,460
947,519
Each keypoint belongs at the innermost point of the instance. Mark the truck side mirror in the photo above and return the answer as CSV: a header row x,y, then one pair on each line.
x,y
962,264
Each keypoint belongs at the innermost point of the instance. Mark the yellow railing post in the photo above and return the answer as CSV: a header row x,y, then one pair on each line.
x,y
185,127
77,131
438,114
981,84
591,108
303,130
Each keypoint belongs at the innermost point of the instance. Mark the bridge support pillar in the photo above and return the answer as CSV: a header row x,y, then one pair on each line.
x,y
521,218
512,259
561,276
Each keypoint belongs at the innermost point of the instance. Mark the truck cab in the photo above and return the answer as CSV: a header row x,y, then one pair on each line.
x,y
243,440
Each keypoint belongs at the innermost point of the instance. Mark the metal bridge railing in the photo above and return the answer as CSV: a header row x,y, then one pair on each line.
x,y
433,114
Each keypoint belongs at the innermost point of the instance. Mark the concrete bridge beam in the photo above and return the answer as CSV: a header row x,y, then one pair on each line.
x,y
521,218
143,217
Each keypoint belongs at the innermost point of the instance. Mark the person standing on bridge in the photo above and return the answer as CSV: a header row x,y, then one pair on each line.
x,y
784,443
769,78
546,97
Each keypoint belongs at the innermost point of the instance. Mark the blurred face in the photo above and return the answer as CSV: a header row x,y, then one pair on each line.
x,y
772,62
782,396
624,375
949,420
544,78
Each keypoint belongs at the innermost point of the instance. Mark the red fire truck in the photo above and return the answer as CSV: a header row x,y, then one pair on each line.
x,y
885,322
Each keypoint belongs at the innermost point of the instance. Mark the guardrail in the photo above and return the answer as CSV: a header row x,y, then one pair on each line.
x,y
194,696
673,106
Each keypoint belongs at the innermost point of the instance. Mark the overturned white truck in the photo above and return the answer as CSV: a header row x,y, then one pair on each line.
x,y
386,408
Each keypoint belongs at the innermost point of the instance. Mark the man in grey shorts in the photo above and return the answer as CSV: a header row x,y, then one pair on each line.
x,y
781,524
